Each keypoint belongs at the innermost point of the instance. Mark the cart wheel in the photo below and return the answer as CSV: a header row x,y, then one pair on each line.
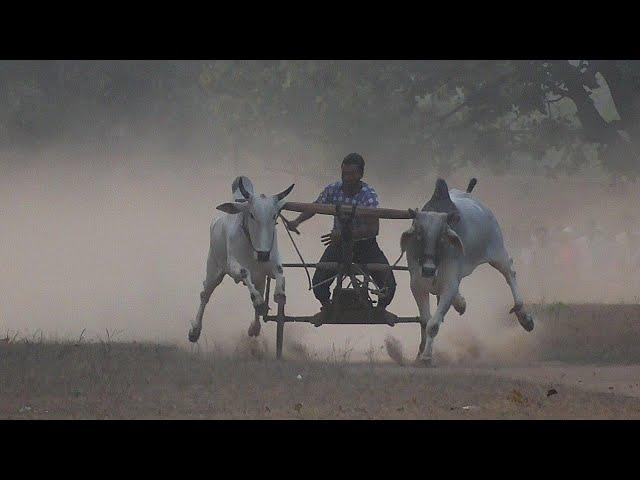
x,y
280,331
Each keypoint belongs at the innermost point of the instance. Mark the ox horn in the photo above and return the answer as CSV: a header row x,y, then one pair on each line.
x,y
244,192
284,193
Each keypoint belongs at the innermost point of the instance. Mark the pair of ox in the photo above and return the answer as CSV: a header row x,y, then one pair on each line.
x,y
451,236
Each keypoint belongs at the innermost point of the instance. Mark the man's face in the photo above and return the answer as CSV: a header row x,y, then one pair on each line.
x,y
351,175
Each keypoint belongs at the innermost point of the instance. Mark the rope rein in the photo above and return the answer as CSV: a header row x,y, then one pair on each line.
x,y
386,278
306,270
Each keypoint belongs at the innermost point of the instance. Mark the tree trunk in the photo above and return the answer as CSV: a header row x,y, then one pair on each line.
x,y
619,153
623,97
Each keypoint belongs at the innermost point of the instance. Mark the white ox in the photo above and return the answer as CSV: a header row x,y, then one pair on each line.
x,y
452,235
243,244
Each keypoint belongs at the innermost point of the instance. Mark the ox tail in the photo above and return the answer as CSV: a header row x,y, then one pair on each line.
x,y
472,184
394,350
235,188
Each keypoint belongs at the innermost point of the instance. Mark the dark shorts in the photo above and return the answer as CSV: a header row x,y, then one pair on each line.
x,y
364,251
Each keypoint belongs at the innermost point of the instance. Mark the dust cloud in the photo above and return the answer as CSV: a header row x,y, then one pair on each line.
x,y
117,246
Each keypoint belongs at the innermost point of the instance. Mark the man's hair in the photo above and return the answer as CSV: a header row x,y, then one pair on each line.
x,y
354,159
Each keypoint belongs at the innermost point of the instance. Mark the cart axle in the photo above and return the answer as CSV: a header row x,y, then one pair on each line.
x,y
351,318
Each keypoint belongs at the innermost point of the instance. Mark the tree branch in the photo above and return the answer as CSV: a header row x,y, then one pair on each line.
x,y
472,97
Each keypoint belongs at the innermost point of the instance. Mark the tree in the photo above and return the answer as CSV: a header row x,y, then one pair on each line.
x,y
546,116
516,112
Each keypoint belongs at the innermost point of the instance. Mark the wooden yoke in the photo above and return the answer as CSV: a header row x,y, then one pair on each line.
x,y
324,209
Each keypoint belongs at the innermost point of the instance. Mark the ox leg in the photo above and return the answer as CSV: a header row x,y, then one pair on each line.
x,y
278,294
241,274
459,303
433,325
421,295
505,266
255,327
214,277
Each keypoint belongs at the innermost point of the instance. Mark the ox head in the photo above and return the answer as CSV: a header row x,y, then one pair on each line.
x,y
260,213
431,232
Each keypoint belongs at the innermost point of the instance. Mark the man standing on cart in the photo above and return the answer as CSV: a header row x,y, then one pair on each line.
x,y
351,191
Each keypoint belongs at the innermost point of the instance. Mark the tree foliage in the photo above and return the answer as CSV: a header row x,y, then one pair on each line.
x,y
540,115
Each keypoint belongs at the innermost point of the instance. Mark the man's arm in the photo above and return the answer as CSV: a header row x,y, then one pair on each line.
x,y
304,216
294,224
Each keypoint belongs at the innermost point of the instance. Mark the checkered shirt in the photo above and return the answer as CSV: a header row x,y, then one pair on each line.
x,y
333,194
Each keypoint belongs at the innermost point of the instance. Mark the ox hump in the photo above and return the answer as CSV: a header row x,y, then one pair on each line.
x,y
440,200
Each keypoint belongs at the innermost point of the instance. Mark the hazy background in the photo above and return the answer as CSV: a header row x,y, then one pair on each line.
x,y
111,172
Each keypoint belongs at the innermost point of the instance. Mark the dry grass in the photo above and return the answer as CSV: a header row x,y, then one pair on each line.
x,y
592,333
131,380
105,379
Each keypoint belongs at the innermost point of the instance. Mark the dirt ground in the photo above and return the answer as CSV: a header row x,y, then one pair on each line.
x,y
580,370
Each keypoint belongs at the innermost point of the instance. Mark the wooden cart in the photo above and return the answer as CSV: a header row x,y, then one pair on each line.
x,y
351,304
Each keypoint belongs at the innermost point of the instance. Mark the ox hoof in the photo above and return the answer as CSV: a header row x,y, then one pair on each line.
x,y
262,309
425,362
194,335
516,308
526,320
254,329
460,306
280,298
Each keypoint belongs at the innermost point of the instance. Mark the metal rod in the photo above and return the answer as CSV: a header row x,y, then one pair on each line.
x,y
319,321
374,267
267,291
281,319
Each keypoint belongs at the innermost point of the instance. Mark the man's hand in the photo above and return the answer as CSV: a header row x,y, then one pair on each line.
x,y
332,238
292,225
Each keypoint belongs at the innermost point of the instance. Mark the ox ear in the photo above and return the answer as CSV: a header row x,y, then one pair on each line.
x,y
454,240
405,238
232,208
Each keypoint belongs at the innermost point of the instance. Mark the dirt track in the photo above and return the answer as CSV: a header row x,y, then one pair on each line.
x,y
596,374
